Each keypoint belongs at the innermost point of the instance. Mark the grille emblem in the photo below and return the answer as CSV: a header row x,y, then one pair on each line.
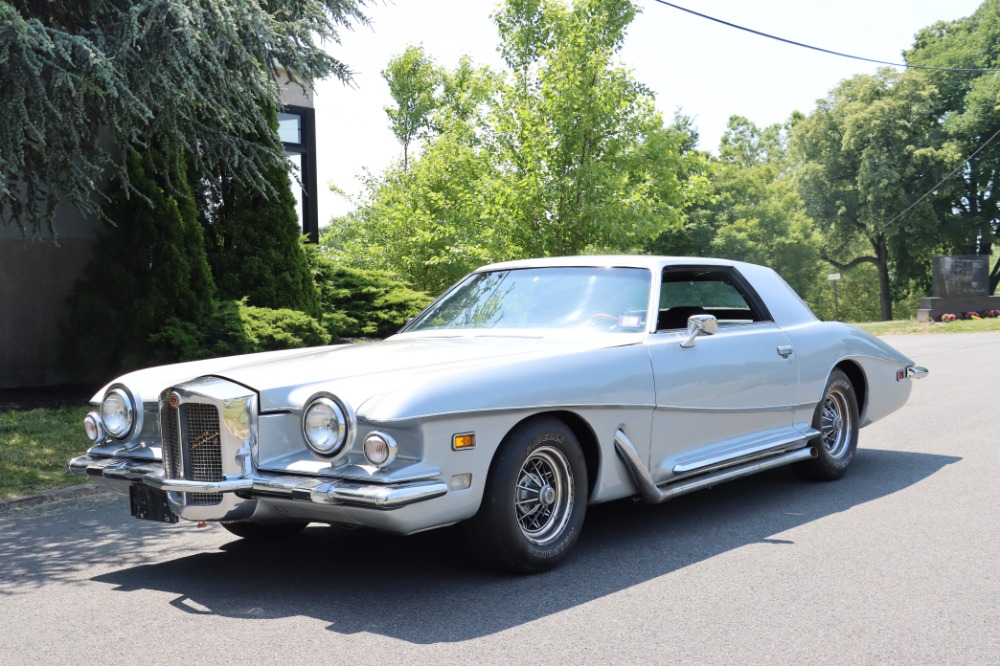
x,y
175,399
207,437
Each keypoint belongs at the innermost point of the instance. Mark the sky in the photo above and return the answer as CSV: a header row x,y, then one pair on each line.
x,y
706,70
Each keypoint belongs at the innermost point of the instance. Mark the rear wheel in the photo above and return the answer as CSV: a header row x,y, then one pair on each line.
x,y
265,531
534,501
836,418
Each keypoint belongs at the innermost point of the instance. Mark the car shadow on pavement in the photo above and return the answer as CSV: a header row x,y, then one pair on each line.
x,y
427,588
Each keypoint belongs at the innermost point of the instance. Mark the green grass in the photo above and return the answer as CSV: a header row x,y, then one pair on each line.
x,y
35,446
911,326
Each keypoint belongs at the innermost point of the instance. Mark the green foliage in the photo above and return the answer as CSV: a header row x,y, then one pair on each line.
x,y
253,241
149,266
362,303
268,329
84,82
587,162
565,154
233,327
413,80
753,212
967,110
864,156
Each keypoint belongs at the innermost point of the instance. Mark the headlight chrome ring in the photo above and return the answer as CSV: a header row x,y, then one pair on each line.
x,y
93,427
324,426
118,413
380,449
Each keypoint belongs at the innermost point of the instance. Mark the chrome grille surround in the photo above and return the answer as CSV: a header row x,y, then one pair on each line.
x,y
208,429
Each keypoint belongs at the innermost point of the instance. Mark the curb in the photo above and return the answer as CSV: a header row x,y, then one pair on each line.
x,y
73,492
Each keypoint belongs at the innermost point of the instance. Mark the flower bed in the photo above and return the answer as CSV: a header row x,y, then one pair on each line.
x,y
985,314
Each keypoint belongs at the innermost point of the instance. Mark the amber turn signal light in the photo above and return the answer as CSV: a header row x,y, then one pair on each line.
x,y
463,441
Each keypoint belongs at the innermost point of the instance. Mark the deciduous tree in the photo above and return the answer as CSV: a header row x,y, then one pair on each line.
x,y
564,153
967,109
866,155
413,80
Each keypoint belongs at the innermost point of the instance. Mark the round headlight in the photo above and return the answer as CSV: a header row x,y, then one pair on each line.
x,y
324,425
118,413
92,426
380,449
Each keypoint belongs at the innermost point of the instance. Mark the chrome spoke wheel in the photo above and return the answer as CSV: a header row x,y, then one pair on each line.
x,y
544,494
836,423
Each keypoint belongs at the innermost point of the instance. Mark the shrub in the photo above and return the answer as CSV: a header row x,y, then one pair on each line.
x,y
237,328
362,303
268,329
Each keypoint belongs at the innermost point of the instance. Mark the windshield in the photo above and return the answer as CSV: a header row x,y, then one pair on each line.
x,y
613,300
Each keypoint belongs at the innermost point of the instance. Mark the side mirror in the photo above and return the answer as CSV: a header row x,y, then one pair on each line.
x,y
702,324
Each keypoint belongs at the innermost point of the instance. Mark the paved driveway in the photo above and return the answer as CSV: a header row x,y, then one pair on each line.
x,y
897,563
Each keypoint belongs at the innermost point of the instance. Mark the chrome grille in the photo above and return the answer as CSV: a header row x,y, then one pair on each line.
x,y
192,447
203,462
170,441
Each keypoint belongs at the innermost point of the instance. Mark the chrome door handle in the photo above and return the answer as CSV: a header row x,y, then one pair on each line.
x,y
784,351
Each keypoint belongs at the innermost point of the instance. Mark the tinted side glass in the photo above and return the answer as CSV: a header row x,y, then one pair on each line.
x,y
717,292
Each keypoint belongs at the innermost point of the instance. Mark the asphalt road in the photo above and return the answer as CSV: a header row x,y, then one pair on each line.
x,y
898,563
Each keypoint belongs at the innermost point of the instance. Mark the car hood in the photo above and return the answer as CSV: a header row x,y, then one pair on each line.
x,y
357,372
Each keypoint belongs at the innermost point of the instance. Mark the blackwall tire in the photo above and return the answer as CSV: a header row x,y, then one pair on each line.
x,y
535,499
837,420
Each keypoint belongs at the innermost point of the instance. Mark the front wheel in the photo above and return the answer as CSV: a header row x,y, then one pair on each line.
x,y
534,501
837,420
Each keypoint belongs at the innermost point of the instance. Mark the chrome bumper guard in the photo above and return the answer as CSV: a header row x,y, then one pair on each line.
x,y
319,491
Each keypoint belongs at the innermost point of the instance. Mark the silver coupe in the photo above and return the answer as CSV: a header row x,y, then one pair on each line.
x,y
528,391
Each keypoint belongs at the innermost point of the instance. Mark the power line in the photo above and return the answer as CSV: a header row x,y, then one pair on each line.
x,y
822,50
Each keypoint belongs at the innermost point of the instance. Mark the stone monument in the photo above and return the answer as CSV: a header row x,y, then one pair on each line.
x,y
959,285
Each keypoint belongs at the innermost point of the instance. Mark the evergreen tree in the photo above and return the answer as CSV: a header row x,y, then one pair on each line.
x,y
82,83
253,241
149,266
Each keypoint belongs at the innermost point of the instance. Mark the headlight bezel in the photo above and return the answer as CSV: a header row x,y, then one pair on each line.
x,y
391,448
94,428
342,433
130,413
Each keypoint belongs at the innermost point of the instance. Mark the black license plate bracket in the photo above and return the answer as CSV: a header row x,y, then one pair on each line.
x,y
150,504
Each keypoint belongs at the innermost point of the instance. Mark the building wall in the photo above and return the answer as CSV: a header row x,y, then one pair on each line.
x,y
36,278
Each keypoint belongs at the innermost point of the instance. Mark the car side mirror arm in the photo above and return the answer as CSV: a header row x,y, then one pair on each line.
x,y
701,324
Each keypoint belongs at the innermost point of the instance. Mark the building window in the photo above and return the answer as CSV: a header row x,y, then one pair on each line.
x,y
297,131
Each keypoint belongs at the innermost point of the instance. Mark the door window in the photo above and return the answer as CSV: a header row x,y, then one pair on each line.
x,y
718,292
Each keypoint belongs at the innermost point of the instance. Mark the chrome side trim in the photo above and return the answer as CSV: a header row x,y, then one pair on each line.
x,y
317,491
778,444
653,494
916,372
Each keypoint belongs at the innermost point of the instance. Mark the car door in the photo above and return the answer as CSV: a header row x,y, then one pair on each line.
x,y
728,396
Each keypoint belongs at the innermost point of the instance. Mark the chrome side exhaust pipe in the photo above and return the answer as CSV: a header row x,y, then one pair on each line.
x,y
653,494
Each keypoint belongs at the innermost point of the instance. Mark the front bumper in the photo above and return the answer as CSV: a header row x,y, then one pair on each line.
x,y
265,485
